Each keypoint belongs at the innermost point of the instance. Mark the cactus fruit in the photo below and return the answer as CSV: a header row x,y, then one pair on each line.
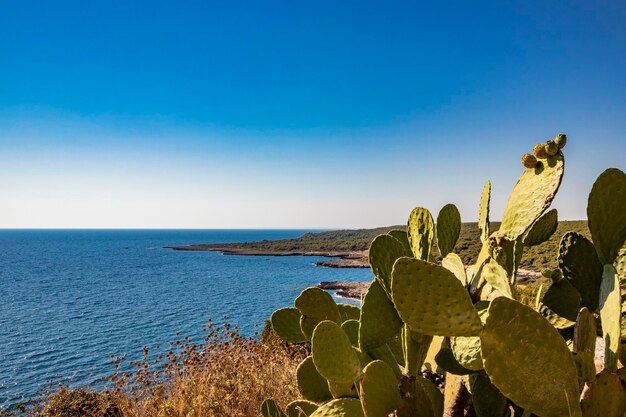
x,y
606,397
542,229
379,319
333,355
448,228
431,300
421,229
286,324
516,340
607,214
540,151
561,140
552,148
311,384
529,161
316,305
342,407
531,196
610,313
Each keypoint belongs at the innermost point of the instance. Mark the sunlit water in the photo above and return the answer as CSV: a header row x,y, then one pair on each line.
x,y
69,299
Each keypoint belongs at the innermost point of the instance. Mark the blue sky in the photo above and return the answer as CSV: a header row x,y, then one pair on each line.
x,y
298,114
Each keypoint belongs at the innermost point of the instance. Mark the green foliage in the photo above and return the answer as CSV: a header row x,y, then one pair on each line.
x,y
500,357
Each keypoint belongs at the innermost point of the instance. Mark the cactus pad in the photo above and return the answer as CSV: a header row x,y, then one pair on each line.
x,y
316,305
606,397
420,229
269,408
564,300
403,238
580,265
453,263
610,313
286,324
466,351
531,196
483,212
379,318
333,355
488,400
383,252
351,329
497,277
311,384
446,360
520,345
606,211
349,312
415,350
448,228
380,395
342,407
300,408
431,300
542,229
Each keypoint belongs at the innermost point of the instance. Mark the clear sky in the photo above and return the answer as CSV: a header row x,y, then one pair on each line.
x,y
267,114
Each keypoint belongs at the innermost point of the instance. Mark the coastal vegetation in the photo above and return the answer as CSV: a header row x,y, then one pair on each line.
x,y
497,353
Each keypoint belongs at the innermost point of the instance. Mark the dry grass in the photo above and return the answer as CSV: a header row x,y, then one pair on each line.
x,y
226,375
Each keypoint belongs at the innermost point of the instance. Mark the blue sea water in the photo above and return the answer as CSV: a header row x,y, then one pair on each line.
x,y
71,298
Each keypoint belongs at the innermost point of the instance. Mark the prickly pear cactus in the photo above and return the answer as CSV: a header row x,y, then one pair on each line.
x,y
607,214
300,408
518,341
269,408
488,401
606,397
379,318
448,228
316,305
383,252
453,263
421,231
610,313
342,407
380,395
311,384
333,354
483,212
286,324
585,346
431,300
531,196
581,267
542,229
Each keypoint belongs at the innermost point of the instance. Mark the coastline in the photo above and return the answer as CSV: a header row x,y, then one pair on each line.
x,y
344,259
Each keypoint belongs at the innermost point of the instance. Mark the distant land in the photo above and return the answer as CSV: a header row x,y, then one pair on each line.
x,y
349,247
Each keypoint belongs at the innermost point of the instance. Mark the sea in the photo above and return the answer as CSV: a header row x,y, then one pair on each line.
x,y
71,298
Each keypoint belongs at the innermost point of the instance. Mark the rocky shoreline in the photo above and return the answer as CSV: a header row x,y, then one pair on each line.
x,y
354,259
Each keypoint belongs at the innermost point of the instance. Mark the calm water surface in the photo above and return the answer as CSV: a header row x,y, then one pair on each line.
x,y
69,299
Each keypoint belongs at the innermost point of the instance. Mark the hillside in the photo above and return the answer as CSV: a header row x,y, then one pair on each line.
x,y
350,246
